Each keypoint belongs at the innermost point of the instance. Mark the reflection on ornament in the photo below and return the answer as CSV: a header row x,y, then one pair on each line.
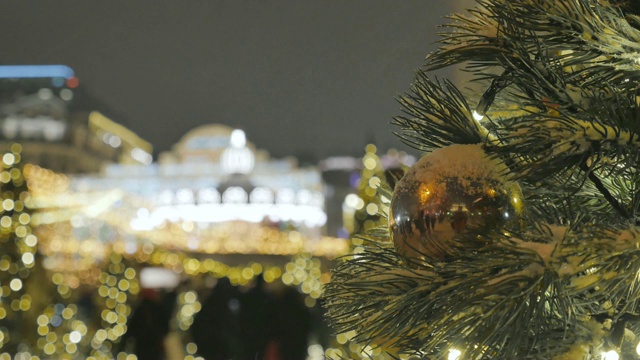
x,y
446,193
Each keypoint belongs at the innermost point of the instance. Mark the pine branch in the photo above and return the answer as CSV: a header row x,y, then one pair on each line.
x,y
582,34
604,191
437,116
563,114
533,288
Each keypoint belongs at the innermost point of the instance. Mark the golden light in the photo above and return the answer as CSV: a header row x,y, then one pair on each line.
x,y
369,163
423,193
7,204
477,116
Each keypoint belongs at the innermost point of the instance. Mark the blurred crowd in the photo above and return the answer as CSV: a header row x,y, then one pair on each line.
x,y
260,322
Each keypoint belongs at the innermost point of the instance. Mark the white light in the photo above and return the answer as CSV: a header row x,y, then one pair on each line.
x,y
238,139
304,197
234,195
261,195
477,116
351,200
27,258
141,156
506,215
145,224
15,284
285,196
75,336
45,94
184,196
193,243
208,195
237,158
316,352
610,355
115,141
638,348
143,213
66,94
10,127
317,220
8,159
454,354
52,130
312,216
131,247
165,197
156,277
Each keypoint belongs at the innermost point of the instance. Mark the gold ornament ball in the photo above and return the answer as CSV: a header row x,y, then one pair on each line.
x,y
446,193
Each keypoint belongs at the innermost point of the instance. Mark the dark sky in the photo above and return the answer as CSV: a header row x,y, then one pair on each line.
x,y
301,77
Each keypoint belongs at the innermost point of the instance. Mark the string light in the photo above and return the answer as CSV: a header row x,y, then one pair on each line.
x,y
454,354
610,355
100,251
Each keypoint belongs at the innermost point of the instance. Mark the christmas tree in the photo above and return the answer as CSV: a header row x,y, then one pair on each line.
x,y
371,177
516,235
20,294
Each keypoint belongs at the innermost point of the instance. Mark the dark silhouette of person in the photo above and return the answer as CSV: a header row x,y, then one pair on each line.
x,y
216,329
420,223
257,309
86,306
147,328
426,221
459,220
291,327
434,218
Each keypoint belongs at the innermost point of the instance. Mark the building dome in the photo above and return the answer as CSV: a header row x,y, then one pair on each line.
x,y
205,142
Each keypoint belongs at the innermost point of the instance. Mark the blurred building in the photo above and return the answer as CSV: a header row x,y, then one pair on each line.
x,y
109,221
348,179
212,194
38,109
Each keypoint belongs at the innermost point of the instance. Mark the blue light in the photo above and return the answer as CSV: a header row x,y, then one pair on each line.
x,y
57,82
35,71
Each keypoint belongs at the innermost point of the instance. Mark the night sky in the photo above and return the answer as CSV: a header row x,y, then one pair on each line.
x,y
305,78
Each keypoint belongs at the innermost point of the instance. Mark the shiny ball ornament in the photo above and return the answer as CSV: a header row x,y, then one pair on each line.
x,y
450,191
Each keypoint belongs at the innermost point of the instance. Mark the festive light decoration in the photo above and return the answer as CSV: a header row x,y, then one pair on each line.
x,y
91,252
19,251
370,205
610,355
454,354
89,244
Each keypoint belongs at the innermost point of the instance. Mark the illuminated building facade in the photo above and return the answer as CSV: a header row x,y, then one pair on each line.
x,y
213,196
212,207
211,182
108,221
38,109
